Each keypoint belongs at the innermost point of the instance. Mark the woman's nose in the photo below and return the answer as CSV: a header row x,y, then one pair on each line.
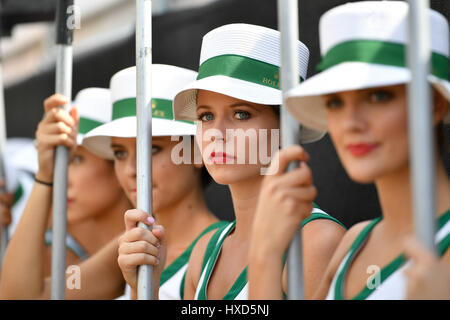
x,y
131,166
354,119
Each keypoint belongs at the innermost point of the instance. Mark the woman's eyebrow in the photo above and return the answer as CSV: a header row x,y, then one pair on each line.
x,y
115,145
243,104
203,107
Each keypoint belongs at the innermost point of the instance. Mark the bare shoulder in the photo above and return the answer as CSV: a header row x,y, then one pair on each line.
x,y
347,241
339,254
323,232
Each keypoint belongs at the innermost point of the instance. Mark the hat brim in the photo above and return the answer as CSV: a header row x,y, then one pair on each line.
x,y
307,105
98,140
185,102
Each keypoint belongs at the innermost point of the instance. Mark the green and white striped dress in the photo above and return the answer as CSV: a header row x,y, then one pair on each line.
x,y
392,283
239,290
171,285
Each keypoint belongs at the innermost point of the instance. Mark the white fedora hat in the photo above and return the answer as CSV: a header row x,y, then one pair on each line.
x,y
166,82
241,61
363,45
94,108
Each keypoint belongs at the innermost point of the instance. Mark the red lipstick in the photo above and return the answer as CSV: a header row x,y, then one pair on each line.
x,y
361,149
220,157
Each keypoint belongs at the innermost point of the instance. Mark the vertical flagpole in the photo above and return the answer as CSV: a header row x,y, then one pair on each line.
x,y
144,129
4,229
421,140
63,86
290,129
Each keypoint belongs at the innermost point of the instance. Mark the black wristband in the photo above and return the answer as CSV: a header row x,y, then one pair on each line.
x,y
48,184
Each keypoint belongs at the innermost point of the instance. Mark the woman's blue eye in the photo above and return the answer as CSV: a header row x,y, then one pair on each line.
x,y
206,116
120,154
334,103
242,115
380,96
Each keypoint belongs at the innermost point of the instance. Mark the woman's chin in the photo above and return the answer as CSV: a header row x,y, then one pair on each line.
x,y
361,176
227,175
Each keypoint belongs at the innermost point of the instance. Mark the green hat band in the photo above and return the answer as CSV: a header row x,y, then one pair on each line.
x,y
87,125
243,68
379,52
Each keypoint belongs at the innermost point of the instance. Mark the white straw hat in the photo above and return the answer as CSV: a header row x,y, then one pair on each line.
x,y
94,108
166,82
363,45
241,61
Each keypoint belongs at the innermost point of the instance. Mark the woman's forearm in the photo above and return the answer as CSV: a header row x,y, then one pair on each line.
x,y
264,276
23,268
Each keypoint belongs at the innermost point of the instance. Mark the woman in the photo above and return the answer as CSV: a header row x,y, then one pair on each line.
x,y
94,209
86,215
360,98
236,98
178,199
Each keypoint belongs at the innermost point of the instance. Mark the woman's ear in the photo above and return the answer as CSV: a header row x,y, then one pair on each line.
x,y
441,106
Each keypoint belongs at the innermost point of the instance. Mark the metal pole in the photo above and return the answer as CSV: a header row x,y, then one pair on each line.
x,y
64,86
4,229
421,140
290,129
144,129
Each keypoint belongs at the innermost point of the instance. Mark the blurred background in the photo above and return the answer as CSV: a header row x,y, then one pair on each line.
x,y
105,44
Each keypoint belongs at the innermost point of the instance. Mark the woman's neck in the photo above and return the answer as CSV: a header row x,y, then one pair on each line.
x,y
394,192
185,219
245,199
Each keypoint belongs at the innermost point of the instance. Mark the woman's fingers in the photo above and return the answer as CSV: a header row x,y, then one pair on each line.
x,y
300,194
56,128
129,262
5,215
6,199
59,115
52,140
138,247
418,253
54,101
301,176
285,156
139,234
158,231
132,217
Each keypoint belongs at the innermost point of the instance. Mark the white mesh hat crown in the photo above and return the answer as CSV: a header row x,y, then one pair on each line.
x,y
94,108
241,61
167,80
363,45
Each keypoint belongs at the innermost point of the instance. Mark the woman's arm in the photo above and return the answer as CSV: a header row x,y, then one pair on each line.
x,y
320,239
22,275
285,200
